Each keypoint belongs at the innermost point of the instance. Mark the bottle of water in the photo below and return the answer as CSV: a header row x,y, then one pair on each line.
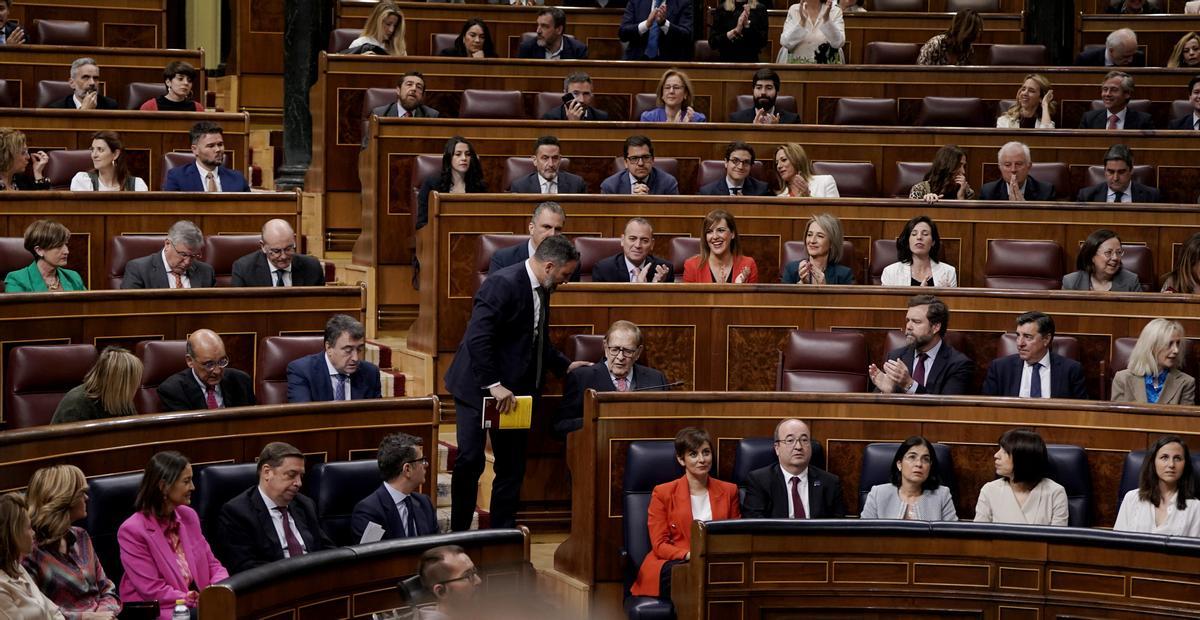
x,y
181,611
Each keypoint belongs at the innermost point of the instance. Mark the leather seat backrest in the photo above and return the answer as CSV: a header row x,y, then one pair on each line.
x,y
953,112
274,354
906,6
855,179
1069,467
545,102
983,6
883,253
375,97
865,111
341,38
683,248
137,93
339,486
424,166
489,245
1142,173
1062,346
787,103
124,248
497,104
878,462
10,93
160,360
648,463
703,52
1023,264
442,41
215,485
1014,55
175,159
1122,349
63,32
1179,107
49,91
1139,105
1055,173
585,347
908,174
110,502
592,250
13,255
643,102
518,167
221,251
669,165
63,166
796,250
823,362
38,376
888,53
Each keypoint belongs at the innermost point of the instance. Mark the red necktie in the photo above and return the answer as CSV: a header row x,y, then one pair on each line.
x,y
622,384
797,505
178,279
1112,121
293,546
210,397
919,371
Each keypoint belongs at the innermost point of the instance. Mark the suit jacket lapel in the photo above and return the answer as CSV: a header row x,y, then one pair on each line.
x,y
816,491
1171,388
938,365
779,495
158,272
265,523
262,271
323,389
394,524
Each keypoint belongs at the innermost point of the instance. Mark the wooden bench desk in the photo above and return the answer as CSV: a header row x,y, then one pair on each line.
x,y
119,66
115,23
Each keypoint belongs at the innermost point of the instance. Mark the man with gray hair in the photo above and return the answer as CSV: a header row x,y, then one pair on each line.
x,y
177,265
85,81
1115,93
339,372
1015,182
1118,185
577,101
1120,50
547,221
276,263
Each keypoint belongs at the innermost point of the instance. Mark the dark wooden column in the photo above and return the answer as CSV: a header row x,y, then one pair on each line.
x,y
305,25
1052,23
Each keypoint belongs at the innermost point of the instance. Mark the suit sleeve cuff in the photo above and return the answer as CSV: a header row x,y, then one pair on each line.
x,y
488,387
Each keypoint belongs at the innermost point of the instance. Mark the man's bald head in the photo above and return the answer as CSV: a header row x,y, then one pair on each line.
x,y
206,356
278,243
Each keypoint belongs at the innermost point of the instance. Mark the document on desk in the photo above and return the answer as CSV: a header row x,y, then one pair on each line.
x,y
373,533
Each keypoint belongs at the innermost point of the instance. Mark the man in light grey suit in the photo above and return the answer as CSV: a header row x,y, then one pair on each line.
x,y
177,265
410,97
547,177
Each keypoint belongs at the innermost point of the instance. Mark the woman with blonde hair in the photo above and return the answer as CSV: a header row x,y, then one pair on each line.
x,y
953,47
674,100
63,562
1186,52
15,157
19,595
1153,374
383,34
739,30
823,242
107,390
1034,107
796,177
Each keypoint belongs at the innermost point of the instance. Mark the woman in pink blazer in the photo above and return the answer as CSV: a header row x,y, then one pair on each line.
x,y
162,548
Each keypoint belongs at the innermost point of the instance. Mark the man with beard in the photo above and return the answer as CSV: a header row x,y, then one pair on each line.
x,y
207,174
926,364
504,353
548,177
410,97
85,84
766,89
551,43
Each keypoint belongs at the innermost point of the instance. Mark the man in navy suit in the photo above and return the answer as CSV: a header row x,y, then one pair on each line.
x,y
640,177
1015,183
277,263
551,43
547,178
337,373
1035,372
207,174
504,353
85,82
791,488
1191,120
1118,185
619,372
657,30
635,263
206,383
1120,50
1115,93
578,106
177,265
926,364
547,221
766,89
396,505
739,160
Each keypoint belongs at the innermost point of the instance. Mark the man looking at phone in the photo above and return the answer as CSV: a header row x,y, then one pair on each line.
x,y
11,32
85,81
766,89
577,101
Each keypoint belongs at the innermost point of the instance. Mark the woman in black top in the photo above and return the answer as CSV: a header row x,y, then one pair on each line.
x,y
461,174
475,41
739,30
14,158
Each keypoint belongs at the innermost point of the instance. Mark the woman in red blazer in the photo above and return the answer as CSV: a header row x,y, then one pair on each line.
x,y
720,258
671,510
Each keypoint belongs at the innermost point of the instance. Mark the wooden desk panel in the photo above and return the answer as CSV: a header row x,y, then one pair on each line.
x,y
1157,34
115,23
119,65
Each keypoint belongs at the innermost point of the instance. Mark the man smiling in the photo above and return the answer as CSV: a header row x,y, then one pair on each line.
x,y
620,372
634,263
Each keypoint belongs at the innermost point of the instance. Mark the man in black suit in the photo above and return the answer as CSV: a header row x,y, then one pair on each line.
x,y
547,178
1118,185
657,30
791,488
85,81
396,505
410,99
619,372
640,177
1115,93
271,520
1015,183
635,263
1035,372
766,89
926,364
1190,120
577,107
1120,50
277,263
504,353
739,161
206,383
551,43
177,265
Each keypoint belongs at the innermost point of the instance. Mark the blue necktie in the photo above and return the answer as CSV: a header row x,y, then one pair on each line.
x,y
1035,382
655,31
410,522
339,391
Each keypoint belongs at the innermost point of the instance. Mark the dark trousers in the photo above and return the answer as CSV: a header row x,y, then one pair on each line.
x,y
509,449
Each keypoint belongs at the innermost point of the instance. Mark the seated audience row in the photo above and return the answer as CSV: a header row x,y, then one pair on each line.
x,y
179,78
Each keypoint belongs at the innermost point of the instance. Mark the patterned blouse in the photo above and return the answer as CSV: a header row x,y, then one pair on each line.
x,y
75,582
936,52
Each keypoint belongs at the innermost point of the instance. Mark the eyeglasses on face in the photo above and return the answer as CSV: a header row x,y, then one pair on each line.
x,y
470,575
791,441
621,351
211,365
639,159
738,162
187,255
423,460
291,249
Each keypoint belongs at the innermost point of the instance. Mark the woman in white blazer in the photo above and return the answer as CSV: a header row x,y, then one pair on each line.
x,y
796,178
1165,501
919,248
915,492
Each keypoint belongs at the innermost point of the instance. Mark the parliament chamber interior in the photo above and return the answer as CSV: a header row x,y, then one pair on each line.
x,y
736,407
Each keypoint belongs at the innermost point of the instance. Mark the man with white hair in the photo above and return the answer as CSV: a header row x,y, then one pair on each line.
x,y
177,265
85,82
1015,183
1120,50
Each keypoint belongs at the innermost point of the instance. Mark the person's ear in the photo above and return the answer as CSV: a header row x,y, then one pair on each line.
x,y
439,590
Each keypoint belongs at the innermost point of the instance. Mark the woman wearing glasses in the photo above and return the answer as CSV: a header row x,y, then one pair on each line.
x,y
206,383
107,390
1153,374
915,491
1098,266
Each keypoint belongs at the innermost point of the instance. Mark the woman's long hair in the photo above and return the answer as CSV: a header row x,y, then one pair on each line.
x,y
52,492
120,167
964,29
941,173
374,28
489,46
114,380
1183,278
1148,480
1014,111
473,180
1176,59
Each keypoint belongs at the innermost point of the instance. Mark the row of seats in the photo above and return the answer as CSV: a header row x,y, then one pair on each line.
x,y
64,164
50,91
75,33
955,111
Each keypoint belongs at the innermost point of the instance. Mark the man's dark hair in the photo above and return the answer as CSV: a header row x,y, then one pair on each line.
x,y
556,249
765,73
1119,152
576,77
1045,324
933,481
179,67
273,454
411,74
433,564
395,451
738,145
545,141
1192,83
343,323
1030,462
203,128
557,14
633,141
937,312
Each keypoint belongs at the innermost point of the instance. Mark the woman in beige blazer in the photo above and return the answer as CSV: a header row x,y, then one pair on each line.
x,y
1153,375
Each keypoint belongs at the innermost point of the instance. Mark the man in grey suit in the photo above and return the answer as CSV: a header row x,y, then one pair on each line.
x,y
177,265
277,263
547,177
410,97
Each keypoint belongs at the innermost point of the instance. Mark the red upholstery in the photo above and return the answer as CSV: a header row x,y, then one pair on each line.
x,y
796,250
1054,173
63,32
887,53
823,362
64,165
910,6
983,6
13,255
669,165
864,111
714,169
642,103
883,253
1063,346
489,245
953,112
683,248
908,174
592,250
1122,349
341,38
855,179
1140,105
1010,55
442,41
124,248
502,104
1020,264
221,251
37,377
1142,173
49,91
10,94
274,354
137,93
160,359
782,102
546,102
174,160
517,167
375,97
585,347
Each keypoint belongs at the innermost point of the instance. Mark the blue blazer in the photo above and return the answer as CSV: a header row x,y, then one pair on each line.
x,y
572,49
661,183
675,44
612,269
378,508
513,255
1004,378
835,273
187,179
308,380
750,187
659,115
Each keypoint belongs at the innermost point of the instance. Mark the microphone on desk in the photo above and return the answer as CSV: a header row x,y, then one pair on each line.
x,y
657,387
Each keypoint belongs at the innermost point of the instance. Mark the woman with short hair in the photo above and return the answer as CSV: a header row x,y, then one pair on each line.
x,y
46,241
823,242
15,158
1099,266
1153,375
107,390
1165,500
673,99
19,595
916,491
1023,494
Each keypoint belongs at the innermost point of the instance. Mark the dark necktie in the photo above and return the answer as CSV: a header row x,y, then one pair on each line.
x,y
294,548
653,34
1118,196
279,277
540,336
410,522
735,191
339,392
1035,381
797,504
919,371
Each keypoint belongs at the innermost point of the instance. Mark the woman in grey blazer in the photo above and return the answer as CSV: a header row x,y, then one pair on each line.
x,y
1153,374
1099,266
915,491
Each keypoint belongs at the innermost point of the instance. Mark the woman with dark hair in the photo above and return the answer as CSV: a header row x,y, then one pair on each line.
x,y
1165,500
461,174
163,550
915,492
823,242
15,158
1185,278
947,177
1153,375
674,100
852,6
19,595
47,241
1023,494
953,47
673,507
813,33
720,259
475,41
107,390
1034,107
1098,266
739,30
111,171
919,250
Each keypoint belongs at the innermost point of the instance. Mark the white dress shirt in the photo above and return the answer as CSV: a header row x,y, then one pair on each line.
x,y
1027,376
398,499
277,521
187,282
803,490
333,378
204,390
204,177
701,507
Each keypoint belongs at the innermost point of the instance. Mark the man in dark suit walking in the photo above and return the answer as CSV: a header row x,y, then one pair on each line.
x,y
1015,183
791,488
577,107
85,81
640,177
551,43
208,174
1118,185
1120,50
504,353
634,263
1035,372
206,383
657,30
396,505
547,221
1115,93
766,89
619,372
926,364
177,265
547,177
1191,120
739,161
277,263
337,373
271,520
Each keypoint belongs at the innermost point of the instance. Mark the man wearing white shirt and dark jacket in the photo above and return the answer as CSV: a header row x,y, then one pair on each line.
x,y
792,488
619,372
337,373
396,505
1035,372
548,177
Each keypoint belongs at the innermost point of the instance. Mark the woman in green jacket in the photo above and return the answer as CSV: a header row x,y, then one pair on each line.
x,y
47,241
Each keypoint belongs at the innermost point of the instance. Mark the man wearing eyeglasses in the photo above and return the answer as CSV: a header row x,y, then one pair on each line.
x,y
207,382
792,488
396,505
277,263
1118,185
178,265
739,160
620,372
451,576
640,177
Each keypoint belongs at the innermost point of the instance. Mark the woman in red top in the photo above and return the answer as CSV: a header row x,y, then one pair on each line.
x,y
720,258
